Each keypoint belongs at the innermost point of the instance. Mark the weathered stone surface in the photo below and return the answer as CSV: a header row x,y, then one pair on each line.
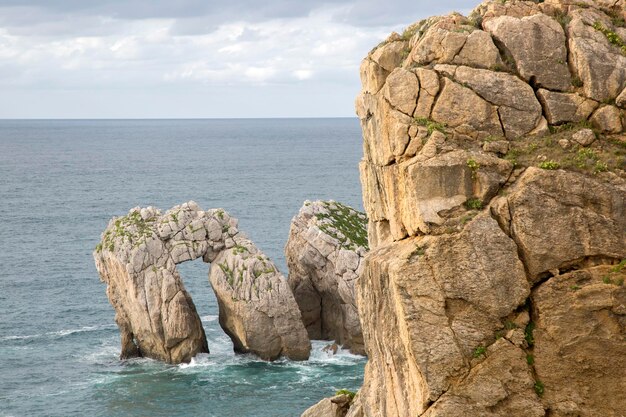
x,y
584,137
518,108
256,307
499,146
429,88
501,385
565,107
580,320
401,90
336,406
607,119
137,260
537,45
325,250
460,106
452,40
600,65
426,304
415,191
587,219
620,101
436,347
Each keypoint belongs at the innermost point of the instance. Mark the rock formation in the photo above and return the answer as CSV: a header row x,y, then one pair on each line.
x,y
137,259
336,406
326,246
497,217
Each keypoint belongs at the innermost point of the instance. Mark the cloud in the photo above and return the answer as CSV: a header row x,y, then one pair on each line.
x,y
150,47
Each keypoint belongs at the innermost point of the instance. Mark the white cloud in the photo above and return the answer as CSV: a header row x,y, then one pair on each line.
x,y
97,51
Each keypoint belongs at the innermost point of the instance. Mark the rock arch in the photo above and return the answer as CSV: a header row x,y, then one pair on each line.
x,y
137,259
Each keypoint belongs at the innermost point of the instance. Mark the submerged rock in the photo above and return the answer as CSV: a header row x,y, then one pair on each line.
x,y
137,259
326,246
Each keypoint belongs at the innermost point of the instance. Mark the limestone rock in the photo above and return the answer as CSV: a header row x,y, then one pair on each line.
x,y
426,305
503,382
415,191
537,45
401,90
517,106
499,146
584,137
336,406
587,219
256,307
580,328
565,107
325,250
620,101
442,337
607,119
137,260
452,40
460,106
600,65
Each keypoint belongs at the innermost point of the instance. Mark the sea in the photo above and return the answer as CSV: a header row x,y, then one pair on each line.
x,y
60,183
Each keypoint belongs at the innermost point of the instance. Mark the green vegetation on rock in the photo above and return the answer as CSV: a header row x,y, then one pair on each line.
x,y
345,224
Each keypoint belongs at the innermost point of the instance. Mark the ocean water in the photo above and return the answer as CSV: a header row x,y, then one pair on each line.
x,y
61,181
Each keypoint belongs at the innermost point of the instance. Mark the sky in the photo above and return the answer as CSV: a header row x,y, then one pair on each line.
x,y
193,58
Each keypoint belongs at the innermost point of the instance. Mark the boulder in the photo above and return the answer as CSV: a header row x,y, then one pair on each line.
x,y
336,406
599,64
607,119
325,250
587,219
536,44
137,259
584,137
565,107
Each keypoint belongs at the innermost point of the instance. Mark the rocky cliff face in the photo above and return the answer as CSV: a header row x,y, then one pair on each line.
x,y
325,251
137,259
494,186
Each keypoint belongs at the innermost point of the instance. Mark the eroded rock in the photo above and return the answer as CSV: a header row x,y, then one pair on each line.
x,y
325,250
451,227
137,260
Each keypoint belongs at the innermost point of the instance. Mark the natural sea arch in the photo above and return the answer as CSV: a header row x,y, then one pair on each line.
x,y
137,259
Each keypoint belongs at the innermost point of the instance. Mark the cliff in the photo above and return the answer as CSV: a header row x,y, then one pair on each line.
x,y
493,179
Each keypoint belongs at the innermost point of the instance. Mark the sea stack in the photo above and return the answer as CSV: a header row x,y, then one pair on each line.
x,y
325,251
137,259
493,179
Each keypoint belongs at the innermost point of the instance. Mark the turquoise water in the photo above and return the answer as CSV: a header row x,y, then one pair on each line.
x,y
60,182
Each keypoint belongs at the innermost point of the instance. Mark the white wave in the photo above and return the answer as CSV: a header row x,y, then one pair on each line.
x,y
343,356
64,332
209,318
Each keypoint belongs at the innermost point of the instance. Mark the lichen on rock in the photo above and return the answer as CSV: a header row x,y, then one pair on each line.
x,y
137,259
324,252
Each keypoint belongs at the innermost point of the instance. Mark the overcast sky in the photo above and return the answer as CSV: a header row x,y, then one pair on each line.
x,y
192,58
